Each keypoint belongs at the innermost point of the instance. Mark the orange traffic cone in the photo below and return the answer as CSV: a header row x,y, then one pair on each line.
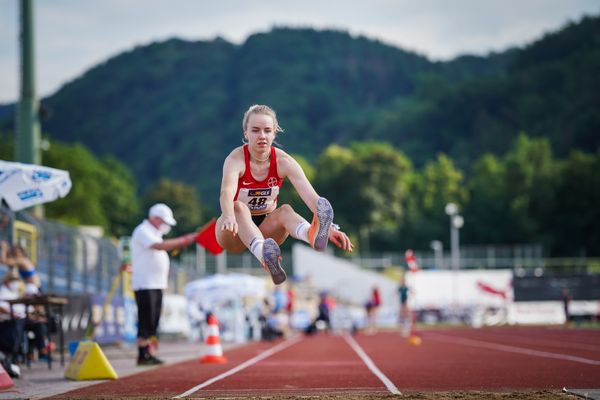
x,y
214,351
5,380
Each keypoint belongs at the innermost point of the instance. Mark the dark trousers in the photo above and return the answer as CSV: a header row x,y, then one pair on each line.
x,y
149,305
11,337
40,331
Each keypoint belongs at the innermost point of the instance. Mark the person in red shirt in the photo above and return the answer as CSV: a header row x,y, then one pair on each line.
x,y
252,176
291,296
371,308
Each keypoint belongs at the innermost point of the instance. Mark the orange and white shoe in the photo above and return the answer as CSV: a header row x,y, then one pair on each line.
x,y
272,261
318,233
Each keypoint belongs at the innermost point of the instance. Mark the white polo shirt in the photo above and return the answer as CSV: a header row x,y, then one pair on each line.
x,y
7,294
150,267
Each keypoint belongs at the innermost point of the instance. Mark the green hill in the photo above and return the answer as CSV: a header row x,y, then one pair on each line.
x,y
174,109
549,89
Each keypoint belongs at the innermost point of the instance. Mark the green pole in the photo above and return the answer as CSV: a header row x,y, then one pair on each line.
x,y
28,136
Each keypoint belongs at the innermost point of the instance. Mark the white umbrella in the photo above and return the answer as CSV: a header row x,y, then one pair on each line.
x,y
26,185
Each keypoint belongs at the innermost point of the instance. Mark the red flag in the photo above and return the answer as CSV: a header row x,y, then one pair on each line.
x,y
207,237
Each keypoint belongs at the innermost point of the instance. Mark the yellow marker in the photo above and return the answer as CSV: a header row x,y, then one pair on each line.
x,y
89,363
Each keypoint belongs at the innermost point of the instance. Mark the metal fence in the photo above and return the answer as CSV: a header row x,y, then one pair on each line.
x,y
74,260
69,259
470,257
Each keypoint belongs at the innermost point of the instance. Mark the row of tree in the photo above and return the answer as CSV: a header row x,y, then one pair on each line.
x,y
384,202
524,196
105,192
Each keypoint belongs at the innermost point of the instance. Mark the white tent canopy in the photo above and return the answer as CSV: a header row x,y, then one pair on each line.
x,y
25,185
219,288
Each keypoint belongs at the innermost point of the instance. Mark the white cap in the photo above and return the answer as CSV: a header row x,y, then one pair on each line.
x,y
163,212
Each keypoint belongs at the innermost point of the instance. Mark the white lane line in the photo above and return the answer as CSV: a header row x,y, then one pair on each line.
x,y
242,366
510,349
550,342
367,360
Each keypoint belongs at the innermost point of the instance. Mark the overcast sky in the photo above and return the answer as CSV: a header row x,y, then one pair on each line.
x,y
74,35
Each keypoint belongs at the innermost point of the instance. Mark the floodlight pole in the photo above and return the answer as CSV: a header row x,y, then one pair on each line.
x,y
454,244
456,222
28,136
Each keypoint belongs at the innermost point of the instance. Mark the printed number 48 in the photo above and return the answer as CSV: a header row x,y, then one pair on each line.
x,y
258,201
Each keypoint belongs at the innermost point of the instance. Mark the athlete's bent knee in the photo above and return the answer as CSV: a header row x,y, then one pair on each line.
x,y
286,209
240,208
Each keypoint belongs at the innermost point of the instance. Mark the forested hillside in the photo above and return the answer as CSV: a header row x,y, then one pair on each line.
x,y
173,109
548,89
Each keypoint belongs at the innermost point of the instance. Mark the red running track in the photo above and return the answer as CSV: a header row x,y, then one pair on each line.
x,y
488,359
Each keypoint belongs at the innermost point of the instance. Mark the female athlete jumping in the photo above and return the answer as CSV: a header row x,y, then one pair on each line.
x,y
252,176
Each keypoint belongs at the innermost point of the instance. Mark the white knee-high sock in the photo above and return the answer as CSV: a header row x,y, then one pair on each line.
x,y
301,231
256,248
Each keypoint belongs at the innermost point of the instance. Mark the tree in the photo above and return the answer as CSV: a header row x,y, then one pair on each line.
x,y
103,191
439,183
487,210
367,184
530,173
576,215
83,204
513,198
7,146
182,199
118,199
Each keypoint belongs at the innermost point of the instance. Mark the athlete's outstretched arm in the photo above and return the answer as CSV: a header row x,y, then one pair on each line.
x,y
288,167
231,172
309,196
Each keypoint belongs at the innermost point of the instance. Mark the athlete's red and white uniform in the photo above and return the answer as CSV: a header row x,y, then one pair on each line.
x,y
259,195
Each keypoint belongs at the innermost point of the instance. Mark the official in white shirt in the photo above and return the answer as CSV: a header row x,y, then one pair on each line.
x,y
150,273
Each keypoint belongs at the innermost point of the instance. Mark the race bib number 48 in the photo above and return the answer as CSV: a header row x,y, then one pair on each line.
x,y
259,199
